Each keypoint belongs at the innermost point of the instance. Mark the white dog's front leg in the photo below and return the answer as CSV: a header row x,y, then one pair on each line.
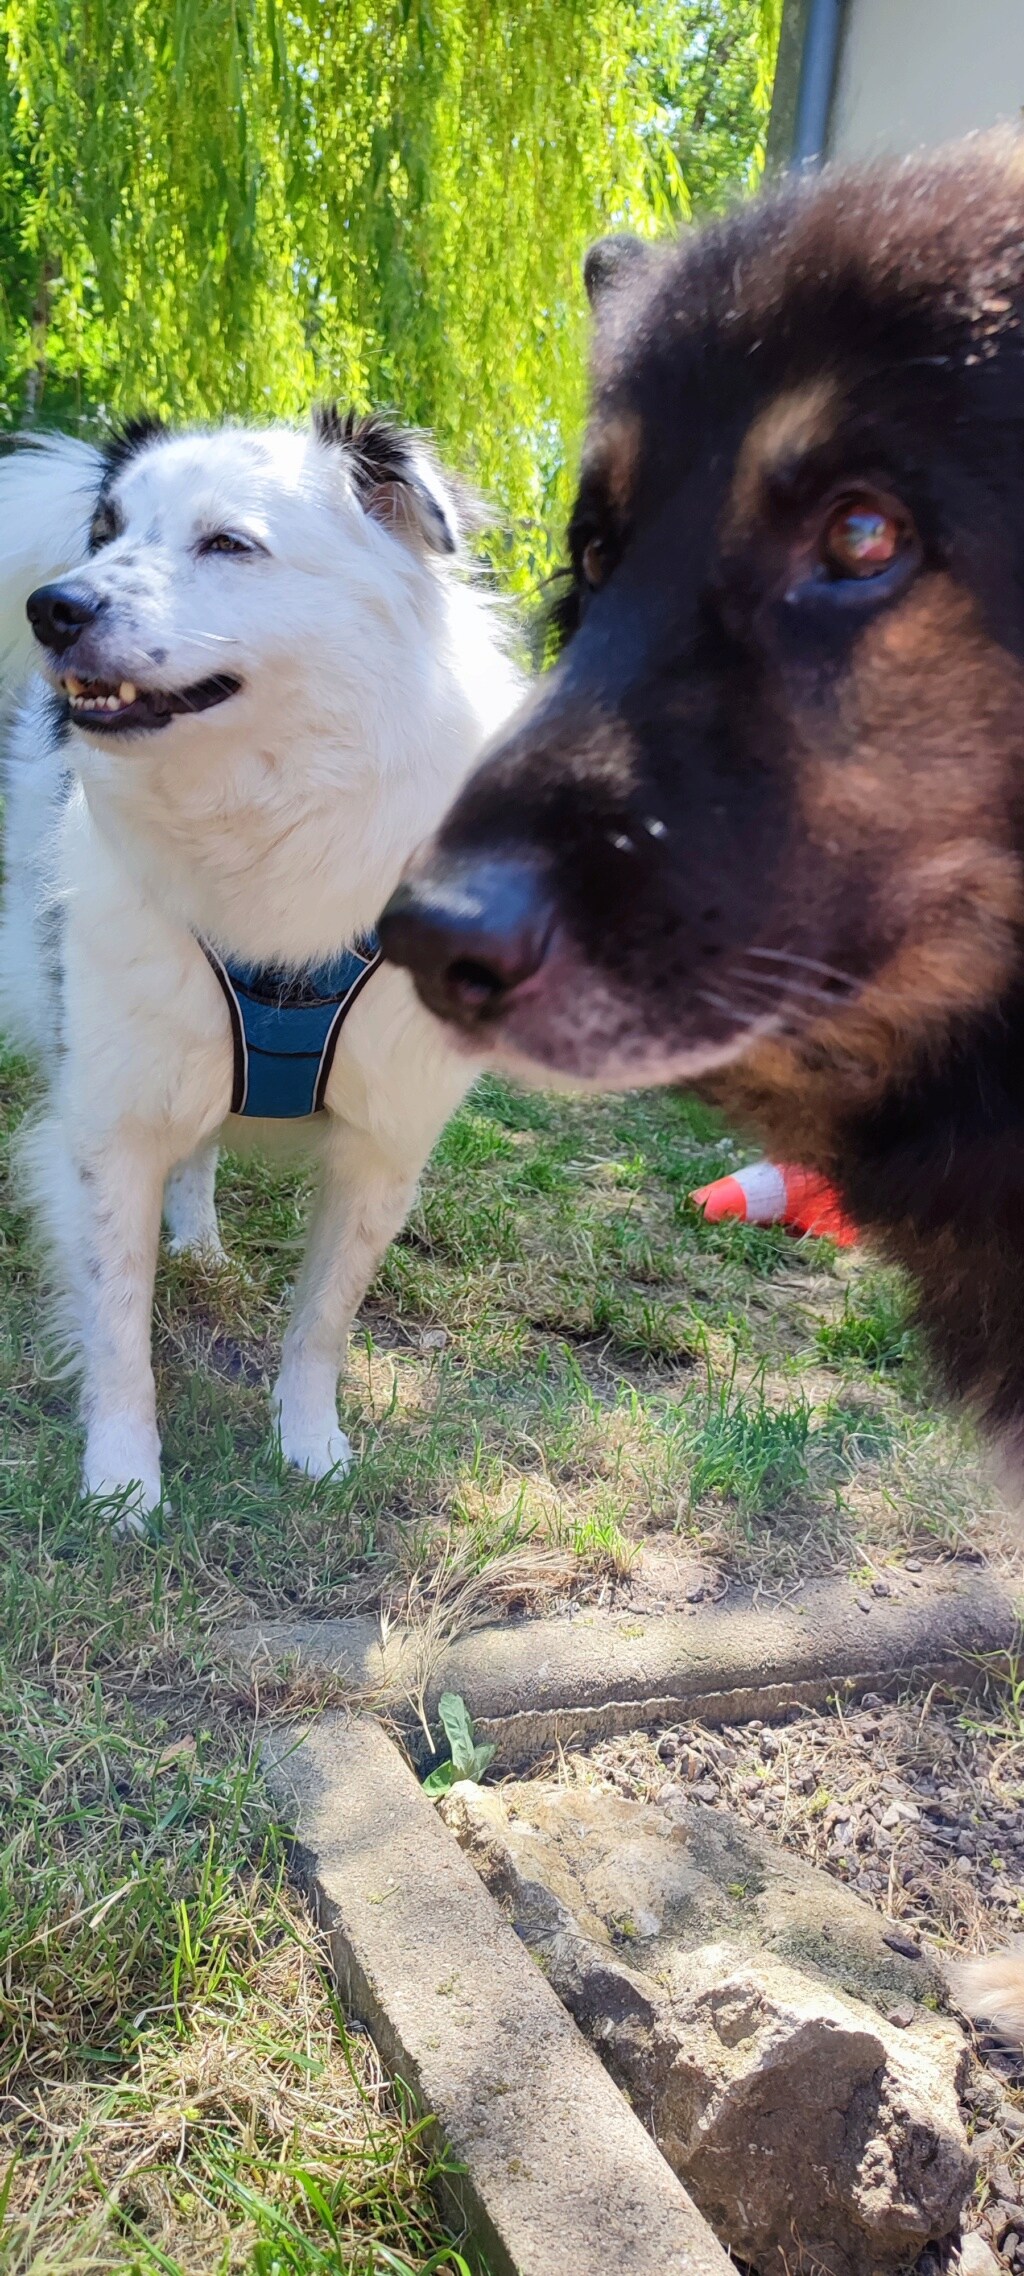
x,y
119,1186
190,1208
362,1203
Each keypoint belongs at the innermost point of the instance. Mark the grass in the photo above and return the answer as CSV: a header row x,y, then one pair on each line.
x,y
560,1366
558,1351
178,2089
873,1327
759,1454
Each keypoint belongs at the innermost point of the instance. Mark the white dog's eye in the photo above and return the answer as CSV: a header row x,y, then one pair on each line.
x,y
229,541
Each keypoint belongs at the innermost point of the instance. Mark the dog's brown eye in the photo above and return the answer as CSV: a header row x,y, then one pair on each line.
x,y
594,563
227,541
862,539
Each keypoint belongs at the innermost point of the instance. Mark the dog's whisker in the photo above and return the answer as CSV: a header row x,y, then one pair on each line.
x,y
805,963
787,1017
769,982
747,1016
220,680
812,997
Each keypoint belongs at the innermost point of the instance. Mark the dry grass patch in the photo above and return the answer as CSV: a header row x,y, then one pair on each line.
x,y
178,2089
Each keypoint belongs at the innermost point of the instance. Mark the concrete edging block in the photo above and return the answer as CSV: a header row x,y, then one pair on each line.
x,y
534,1684
558,2172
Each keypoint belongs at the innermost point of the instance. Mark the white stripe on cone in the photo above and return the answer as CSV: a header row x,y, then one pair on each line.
x,y
765,1188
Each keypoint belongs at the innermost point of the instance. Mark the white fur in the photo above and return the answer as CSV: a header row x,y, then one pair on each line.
x,y
991,1990
48,495
277,824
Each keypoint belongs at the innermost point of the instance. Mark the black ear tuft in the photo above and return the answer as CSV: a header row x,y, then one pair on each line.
x,y
127,439
612,262
395,477
378,451
333,426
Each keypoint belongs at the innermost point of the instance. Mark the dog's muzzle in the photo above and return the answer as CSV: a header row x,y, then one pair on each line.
x,y
62,616
471,934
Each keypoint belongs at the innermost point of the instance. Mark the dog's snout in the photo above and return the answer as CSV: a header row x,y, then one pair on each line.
x,y
470,934
58,613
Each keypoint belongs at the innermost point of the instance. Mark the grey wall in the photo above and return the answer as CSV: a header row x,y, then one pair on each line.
x,y
921,71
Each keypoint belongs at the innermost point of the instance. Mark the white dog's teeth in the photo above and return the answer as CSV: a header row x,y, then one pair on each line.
x,y
81,700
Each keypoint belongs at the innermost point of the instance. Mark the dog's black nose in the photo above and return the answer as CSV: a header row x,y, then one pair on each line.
x,y
58,613
470,933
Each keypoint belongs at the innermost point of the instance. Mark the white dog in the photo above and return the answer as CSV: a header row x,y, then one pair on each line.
x,y
260,679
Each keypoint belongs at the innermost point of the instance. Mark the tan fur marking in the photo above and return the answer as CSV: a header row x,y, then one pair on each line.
x,y
795,423
613,451
907,790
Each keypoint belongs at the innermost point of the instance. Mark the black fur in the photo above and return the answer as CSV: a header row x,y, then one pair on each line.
x,y
385,472
378,450
611,262
59,720
126,440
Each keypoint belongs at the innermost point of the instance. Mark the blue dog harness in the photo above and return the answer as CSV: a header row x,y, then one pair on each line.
x,y
285,1027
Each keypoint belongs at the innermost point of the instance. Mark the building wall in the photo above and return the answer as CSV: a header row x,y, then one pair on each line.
x,y
921,71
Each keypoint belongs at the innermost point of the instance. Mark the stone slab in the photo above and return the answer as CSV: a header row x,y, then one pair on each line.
x,y
558,2173
789,2064
534,1684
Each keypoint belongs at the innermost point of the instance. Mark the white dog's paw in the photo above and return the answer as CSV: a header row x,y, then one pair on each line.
x,y
304,1409
317,1452
123,1466
135,1522
205,1249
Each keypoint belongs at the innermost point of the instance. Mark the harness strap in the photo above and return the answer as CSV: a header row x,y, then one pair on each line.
x,y
285,1027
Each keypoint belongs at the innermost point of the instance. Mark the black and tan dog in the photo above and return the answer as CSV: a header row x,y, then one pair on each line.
x,y
762,828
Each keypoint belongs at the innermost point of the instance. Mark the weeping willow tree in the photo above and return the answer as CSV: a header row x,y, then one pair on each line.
x,y
213,206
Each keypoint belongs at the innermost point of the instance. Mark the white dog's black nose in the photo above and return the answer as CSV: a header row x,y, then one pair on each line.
x,y
58,613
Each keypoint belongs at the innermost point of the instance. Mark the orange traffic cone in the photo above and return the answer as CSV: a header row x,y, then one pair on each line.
x,y
779,1193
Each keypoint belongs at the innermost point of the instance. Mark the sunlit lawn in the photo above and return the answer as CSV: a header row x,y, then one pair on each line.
x,y
559,1362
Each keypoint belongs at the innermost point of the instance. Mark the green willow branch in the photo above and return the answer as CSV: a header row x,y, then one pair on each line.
x,y
232,206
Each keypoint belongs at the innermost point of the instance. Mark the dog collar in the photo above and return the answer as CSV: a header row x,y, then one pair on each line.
x,y
285,1027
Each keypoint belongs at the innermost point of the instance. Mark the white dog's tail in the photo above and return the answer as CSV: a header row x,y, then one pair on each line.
x,y
48,486
992,1991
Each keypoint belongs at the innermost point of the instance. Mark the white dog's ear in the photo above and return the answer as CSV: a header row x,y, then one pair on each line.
x,y
395,478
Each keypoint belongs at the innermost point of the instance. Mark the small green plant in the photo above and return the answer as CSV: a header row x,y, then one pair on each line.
x,y
467,1759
